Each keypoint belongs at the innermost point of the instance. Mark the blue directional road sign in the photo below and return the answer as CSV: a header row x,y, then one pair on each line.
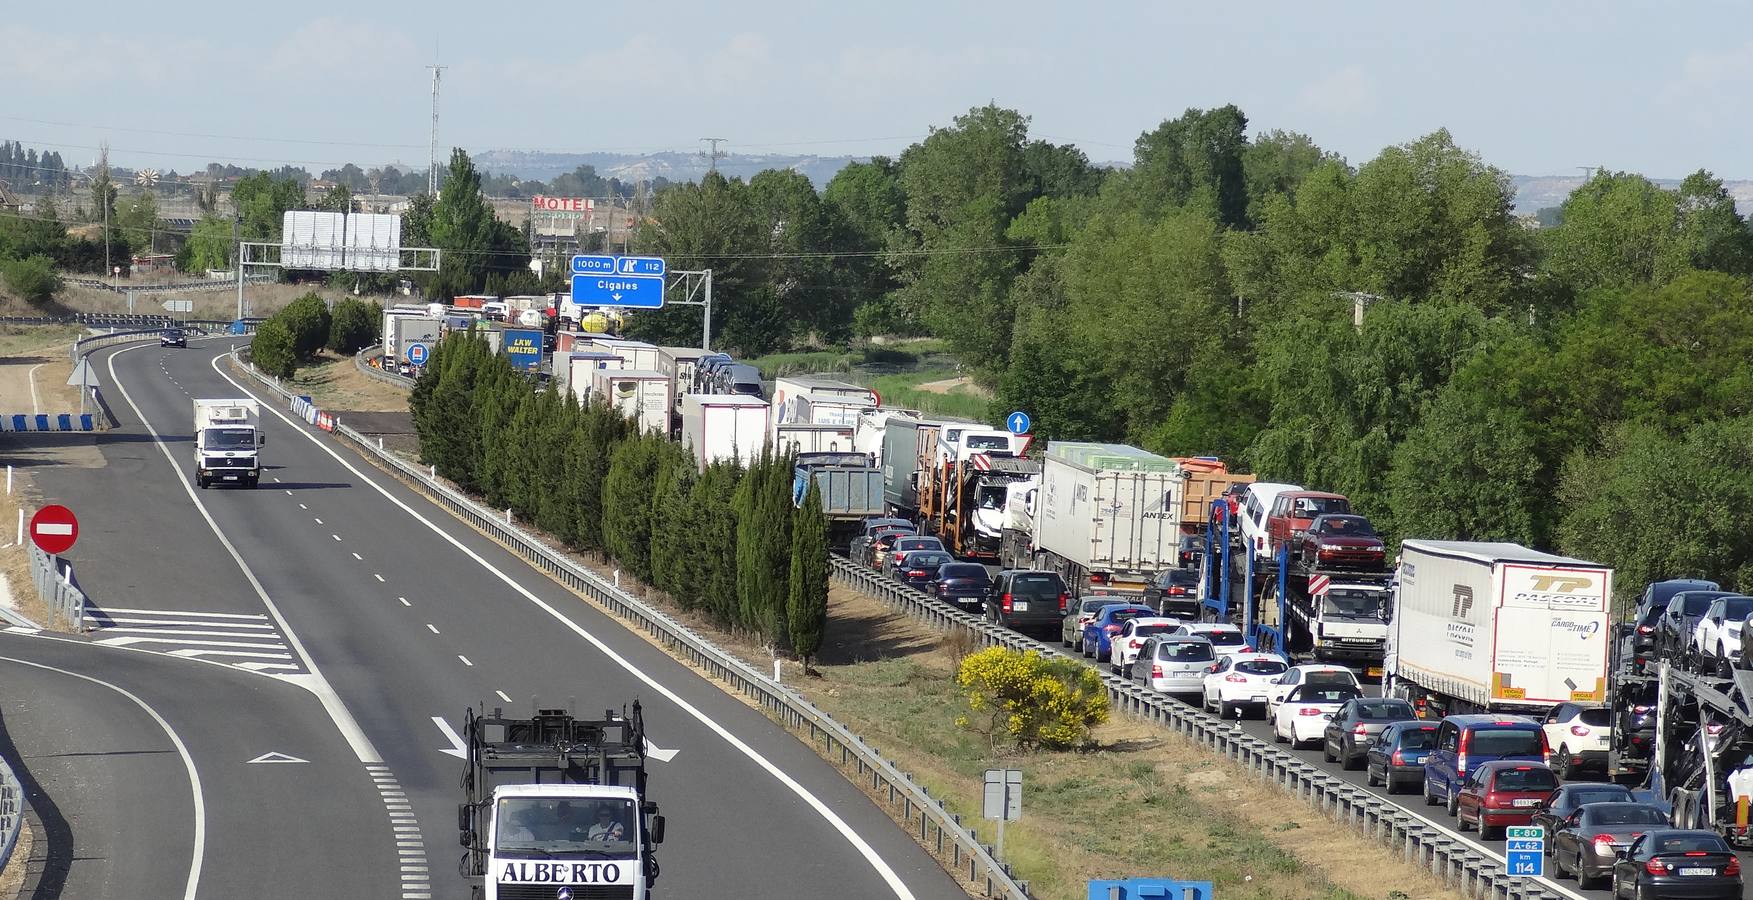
x,y
632,291
416,353
639,265
1525,851
594,265
1017,422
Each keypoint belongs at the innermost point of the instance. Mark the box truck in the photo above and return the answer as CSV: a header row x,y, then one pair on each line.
x,y
724,426
798,438
580,368
819,400
643,397
1106,515
899,457
228,440
1497,627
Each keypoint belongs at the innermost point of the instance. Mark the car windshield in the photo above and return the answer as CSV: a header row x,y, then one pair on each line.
x,y
1600,718
918,543
1145,630
1092,605
1339,677
1345,604
1261,667
1695,604
1036,585
1623,814
1345,525
1599,794
986,442
1186,651
1418,739
1306,507
962,570
1127,612
1690,843
1526,779
1376,710
228,439
547,824
1182,577
1505,742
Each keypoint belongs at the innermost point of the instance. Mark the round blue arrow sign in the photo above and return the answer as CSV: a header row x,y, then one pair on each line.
x,y
1017,422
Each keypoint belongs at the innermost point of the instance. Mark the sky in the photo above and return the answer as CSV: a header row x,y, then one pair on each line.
x,y
1536,88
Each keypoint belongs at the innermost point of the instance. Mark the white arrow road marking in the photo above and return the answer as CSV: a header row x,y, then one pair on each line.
x,y
275,756
658,753
456,740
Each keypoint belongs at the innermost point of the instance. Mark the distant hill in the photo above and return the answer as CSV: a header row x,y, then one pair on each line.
x,y
1533,192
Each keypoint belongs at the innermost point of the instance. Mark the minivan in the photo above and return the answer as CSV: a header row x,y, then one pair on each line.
x,y
1256,509
1465,741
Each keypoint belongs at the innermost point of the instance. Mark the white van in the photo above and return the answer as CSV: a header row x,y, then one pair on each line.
x,y
1256,508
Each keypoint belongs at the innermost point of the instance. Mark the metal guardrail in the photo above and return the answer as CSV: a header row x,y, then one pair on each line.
x,y
66,603
11,812
1452,861
931,824
177,287
401,381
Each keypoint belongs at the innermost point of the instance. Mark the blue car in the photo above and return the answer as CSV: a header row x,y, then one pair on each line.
x,y
1106,624
1463,742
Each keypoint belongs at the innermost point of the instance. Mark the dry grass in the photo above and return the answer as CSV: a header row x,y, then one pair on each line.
x,y
220,303
12,876
15,558
334,382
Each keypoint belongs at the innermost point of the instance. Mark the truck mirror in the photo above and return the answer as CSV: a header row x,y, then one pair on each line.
x,y
657,829
463,818
261,439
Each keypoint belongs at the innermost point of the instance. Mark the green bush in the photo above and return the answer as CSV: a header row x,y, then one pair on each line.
x,y
1039,703
354,326
32,278
271,349
307,321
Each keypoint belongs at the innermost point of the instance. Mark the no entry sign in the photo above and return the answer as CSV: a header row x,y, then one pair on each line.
x,y
54,529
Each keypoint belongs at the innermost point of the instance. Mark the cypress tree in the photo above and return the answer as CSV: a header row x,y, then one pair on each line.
x,y
627,494
806,603
774,514
749,534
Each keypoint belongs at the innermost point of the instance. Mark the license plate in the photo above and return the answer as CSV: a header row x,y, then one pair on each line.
x,y
1373,671
230,477
1257,699
1020,606
1698,870
1526,801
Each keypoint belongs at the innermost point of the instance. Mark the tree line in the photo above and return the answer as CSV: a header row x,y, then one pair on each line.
x,y
1390,330
725,542
306,326
23,168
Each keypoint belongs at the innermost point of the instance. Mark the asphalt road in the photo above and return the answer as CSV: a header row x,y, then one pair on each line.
x,y
410,616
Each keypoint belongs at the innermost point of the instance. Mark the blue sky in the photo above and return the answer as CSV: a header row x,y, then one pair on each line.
x,y
1536,88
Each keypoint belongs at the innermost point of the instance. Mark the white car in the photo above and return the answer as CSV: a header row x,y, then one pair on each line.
x,y
1579,736
1173,663
1307,673
1716,639
1256,509
1125,645
1241,679
1226,638
1302,715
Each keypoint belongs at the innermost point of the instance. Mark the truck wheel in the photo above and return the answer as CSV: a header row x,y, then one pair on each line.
x,y
200,482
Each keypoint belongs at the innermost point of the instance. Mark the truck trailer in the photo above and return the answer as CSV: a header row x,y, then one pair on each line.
x,y
1497,627
903,437
643,397
724,426
555,806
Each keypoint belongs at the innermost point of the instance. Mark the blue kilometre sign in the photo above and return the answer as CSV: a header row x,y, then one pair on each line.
x,y
1525,851
628,281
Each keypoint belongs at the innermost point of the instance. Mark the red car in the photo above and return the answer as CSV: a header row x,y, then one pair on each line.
x,y
1343,542
1294,511
1502,792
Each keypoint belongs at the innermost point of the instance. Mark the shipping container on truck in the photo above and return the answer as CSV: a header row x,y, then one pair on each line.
x,y
472,301
800,438
678,363
791,395
724,426
1107,515
1497,627
640,356
643,397
899,458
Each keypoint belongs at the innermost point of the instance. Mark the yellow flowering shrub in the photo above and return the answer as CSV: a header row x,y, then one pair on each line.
x,y
1038,702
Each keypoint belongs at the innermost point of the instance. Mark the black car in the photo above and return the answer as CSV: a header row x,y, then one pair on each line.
x,y
1571,797
1586,843
1357,723
1634,721
919,567
1396,759
1675,623
1173,592
1659,593
963,584
1192,551
1673,863
1028,600
173,337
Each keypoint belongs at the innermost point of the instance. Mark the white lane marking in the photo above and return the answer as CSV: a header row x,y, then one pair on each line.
x,y
404,601
200,631
465,660
263,667
335,536
318,521
503,696
184,642
288,493
301,506
177,612
659,753
277,479
115,624
456,747
431,627
358,557
200,848
35,407
880,865
377,576
312,678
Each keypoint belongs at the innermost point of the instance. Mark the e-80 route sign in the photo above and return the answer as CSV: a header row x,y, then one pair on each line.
x,y
54,529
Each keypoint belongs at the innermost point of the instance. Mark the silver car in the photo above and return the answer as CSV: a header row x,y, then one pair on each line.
x,y
1174,663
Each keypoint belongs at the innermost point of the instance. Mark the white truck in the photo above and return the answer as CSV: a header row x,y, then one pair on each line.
x,y
555,806
1105,515
1497,627
228,441
724,426
819,400
643,397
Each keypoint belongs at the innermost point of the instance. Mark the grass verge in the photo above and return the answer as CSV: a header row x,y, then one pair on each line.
x,y
334,382
961,402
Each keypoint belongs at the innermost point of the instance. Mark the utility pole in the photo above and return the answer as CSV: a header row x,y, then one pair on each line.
x,y
713,156
432,146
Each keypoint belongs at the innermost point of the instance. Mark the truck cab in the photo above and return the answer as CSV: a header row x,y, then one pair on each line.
x,y
228,438
1348,621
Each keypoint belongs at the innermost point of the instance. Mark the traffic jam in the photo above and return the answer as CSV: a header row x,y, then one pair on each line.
x,y
1487,687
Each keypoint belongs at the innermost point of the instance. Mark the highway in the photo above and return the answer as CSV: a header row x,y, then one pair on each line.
x,y
392,617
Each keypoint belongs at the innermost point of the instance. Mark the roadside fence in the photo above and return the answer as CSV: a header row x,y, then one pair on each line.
x,y
55,586
362,361
11,812
931,824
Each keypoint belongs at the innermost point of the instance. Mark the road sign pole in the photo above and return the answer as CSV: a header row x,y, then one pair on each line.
x,y
706,325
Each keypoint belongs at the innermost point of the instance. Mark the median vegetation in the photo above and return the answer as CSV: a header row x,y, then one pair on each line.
x,y
306,326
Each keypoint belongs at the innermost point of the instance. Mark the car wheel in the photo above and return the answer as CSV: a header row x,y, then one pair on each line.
x,y
1455,804
1558,869
1277,734
1225,709
1369,776
1461,823
1722,662
1084,646
1327,751
1567,767
1064,640
1642,892
1583,879
1349,762
1489,832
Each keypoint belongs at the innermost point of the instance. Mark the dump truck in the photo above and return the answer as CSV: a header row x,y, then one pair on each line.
x,y
228,441
851,489
555,806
